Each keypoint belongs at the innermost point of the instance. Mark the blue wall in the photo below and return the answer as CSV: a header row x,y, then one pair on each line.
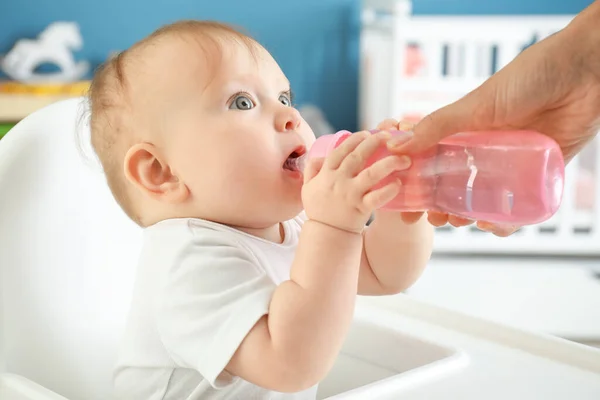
x,y
289,29
499,6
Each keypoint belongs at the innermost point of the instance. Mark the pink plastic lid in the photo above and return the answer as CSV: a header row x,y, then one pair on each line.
x,y
324,144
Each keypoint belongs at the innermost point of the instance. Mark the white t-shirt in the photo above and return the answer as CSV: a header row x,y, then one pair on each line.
x,y
200,288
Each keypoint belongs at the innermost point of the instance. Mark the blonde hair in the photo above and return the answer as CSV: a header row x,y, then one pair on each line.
x,y
109,102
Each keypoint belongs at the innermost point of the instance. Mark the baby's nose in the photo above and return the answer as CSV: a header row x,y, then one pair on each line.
x,y
288,119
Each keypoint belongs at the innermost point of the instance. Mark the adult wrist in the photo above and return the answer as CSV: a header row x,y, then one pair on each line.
x,y
583,38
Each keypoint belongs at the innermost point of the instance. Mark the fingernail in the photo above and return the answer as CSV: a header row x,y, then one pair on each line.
x,y
385,134
484,226
507,229
404,161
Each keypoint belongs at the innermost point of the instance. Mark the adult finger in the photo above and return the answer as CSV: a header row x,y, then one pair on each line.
x,y
497,229
458,221
475,111
411,217
437,219
388,124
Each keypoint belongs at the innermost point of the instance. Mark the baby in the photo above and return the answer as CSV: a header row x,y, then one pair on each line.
x,y
250,268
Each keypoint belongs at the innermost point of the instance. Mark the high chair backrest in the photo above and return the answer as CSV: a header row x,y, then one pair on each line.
x,y
67,257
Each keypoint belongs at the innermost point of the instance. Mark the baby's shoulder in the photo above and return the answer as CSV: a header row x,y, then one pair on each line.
x,y
193,236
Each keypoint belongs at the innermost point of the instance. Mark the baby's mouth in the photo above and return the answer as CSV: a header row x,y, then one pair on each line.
x,y
294,160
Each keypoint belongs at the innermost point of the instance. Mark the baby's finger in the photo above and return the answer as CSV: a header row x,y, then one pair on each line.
x,y
312,168
356,160
378,198
437,219
335,158
381,169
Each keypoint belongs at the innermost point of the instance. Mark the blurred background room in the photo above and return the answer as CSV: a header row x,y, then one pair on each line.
x,y
353,63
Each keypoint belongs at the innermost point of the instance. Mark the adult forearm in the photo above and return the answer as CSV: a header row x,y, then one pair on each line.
x,y
583,40
589,18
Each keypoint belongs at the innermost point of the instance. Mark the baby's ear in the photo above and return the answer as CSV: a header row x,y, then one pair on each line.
x,y
148,171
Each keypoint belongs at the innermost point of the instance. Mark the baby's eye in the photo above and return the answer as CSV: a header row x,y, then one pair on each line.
x,y
242,102
285,100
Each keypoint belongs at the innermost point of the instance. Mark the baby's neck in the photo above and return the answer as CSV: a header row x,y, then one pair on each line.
x,y
273,233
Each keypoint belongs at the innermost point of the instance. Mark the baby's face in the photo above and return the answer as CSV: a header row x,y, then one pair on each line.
x,y
232,134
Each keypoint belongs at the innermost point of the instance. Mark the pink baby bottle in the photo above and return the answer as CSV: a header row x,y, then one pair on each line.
x,y
504,177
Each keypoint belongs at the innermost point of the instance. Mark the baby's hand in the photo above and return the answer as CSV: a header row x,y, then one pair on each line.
x,y
339,192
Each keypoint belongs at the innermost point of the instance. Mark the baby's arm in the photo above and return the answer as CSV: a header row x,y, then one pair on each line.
x,y
395,254
295,346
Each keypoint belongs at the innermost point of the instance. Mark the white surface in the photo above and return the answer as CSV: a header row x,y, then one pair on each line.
x,y
551,295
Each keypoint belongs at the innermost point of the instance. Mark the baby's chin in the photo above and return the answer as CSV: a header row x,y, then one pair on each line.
x,y
267,225
255,215
285,212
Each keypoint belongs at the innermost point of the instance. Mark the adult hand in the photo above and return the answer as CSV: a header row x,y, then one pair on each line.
x,y
435,218
552,87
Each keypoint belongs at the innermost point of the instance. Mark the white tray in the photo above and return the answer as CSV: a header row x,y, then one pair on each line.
x,y
418,351
401,348
15,387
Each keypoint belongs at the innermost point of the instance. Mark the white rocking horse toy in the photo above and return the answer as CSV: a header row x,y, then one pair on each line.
x,y
55,45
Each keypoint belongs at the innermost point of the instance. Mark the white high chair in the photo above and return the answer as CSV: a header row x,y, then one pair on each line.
x,y
67,257
67,265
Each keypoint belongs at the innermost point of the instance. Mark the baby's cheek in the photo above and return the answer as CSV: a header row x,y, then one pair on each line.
x,y
308,137
248,183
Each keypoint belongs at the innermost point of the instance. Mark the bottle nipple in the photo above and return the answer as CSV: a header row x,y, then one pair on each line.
x,y
300,162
